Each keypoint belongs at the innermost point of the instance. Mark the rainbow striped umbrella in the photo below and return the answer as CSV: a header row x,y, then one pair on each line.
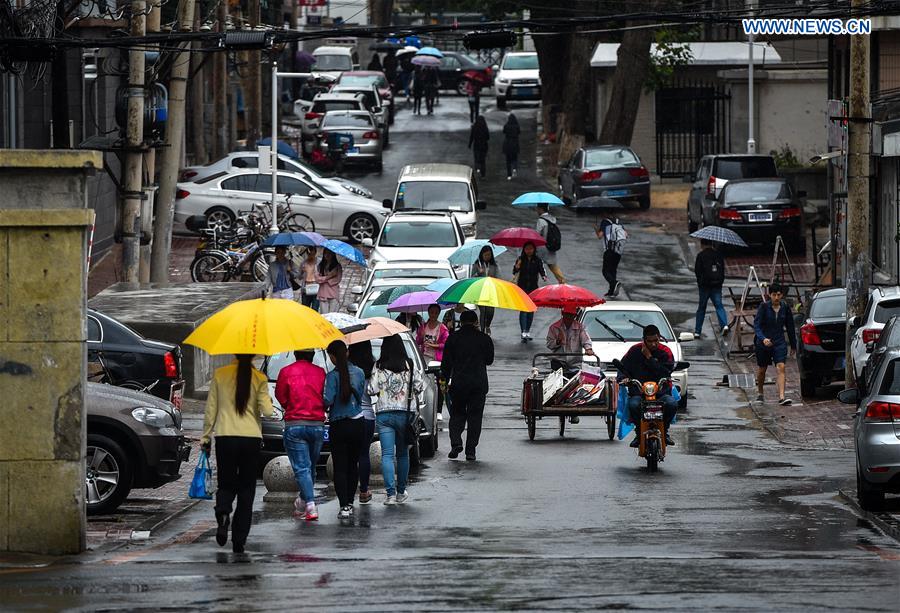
x,y
488,291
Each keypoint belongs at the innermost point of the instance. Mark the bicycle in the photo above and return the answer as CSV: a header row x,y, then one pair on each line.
x,y
289,220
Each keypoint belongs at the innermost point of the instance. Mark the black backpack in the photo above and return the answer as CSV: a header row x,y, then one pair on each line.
x,y
713,272
554,237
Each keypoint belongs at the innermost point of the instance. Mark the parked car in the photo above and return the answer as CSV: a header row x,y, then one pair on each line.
x,y
419,235
518,78
614,327
334,59
821,350
250,159
454,65
373,103
883,303
366,78
714,171
440,187
608,171
321,104
367,147
134,440
888,339
876,432
221,197
120,356
759,210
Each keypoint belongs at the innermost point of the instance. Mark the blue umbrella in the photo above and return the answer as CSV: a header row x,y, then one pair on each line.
x,y
718,234
440,285
430,51
468,253
536,198
413,41
345,251
283,148
290,239
317,239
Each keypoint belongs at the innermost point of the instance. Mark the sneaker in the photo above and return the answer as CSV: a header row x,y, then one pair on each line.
x,y
785,402
365,497
222,531
725,330
345,512
574,419
488,331
697,335
454,453
669,440
312,513
509,178
440,417
402,497
617,288
390,500
237,547
528,335
470,457
524,337
515,172
635,443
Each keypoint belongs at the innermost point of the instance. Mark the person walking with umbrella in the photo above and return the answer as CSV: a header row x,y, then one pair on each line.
x,y
238,396
709,268
773,319
360,354
432,84
390,69
479,135
375,63
467,355
612,240
526,270
547,228
309,289
473,95
328,276
281,276
486,266
511,146
418,90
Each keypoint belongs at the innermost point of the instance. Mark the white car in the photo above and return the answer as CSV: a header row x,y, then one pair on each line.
x,y
518,78
221,197
616,326
242,160
377,297
419,235
402,270
324,103
883,303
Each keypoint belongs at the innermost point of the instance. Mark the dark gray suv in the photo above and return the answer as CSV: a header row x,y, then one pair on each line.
x,y
713,172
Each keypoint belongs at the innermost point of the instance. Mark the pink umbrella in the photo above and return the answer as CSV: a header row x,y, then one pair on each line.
x,y
414,302
517,237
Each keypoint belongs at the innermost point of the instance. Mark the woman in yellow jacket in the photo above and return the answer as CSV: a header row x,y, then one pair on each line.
x,y
238,395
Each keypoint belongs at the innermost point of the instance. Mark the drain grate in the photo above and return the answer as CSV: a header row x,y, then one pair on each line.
x,y
741,380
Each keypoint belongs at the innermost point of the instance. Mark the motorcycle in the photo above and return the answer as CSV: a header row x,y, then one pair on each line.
x,y
652,427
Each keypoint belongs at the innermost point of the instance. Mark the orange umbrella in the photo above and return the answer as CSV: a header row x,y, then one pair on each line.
x,y
379,327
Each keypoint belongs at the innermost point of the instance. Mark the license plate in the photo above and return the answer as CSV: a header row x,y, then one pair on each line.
x,y
760,216
612,193
353,150
525,91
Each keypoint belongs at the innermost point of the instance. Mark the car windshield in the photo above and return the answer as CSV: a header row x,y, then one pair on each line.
x,y
610,158
628,324
434,196
333,62
418,234
399,273
757,191
829,306
886,309
520,62
745,168
345,120
275,363
364,80
324,106
890,383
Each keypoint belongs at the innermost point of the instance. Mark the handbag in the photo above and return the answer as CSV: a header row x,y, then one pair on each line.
x,y
412,424
311,289
201,484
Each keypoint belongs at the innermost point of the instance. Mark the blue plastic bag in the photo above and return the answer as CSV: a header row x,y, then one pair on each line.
x,y
201,484
625,425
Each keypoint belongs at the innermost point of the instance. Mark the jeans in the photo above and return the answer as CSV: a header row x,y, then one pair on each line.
x,y
328,305
669,407
487,316
303,444
466,411
525,320
365,464
347,438
557,272
707,293
237,459
474,104
611,267
310,301
392,434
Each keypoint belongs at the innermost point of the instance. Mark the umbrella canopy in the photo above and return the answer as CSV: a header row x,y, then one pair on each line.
x,y
536,198
428,61
517,237
478,77
389,295
468,253
263,327
385,45
317,238
408,50
304,57
345,251
717,234
379,327
598,202
290,239
563,296
488,291
433,52
439,285
414,302
345,322
283,148
412,41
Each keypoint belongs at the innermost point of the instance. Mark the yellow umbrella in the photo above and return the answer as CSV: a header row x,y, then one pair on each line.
x,y
263,327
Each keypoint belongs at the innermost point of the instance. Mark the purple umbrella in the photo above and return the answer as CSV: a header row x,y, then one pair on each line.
x,y
428,61
414,302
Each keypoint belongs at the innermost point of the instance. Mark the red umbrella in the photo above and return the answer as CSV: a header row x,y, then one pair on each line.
x,y
517,237
477,76
563,295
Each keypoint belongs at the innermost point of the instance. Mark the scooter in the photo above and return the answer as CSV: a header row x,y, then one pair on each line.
x,y
652,428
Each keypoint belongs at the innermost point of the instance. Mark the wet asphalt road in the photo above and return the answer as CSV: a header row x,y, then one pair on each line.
x,y
733,520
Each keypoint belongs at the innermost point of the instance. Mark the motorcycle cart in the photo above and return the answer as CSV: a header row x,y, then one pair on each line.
x,y
538,402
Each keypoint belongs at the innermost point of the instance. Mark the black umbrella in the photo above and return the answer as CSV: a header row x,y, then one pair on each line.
x,y
598,202
385,46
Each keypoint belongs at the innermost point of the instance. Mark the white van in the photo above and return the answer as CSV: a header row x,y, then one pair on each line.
x,y
439,187
335,60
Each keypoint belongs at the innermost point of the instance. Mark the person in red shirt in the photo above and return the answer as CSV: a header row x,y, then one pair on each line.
x,y
299,391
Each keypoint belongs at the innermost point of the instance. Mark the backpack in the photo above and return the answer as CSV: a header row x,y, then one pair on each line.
x,y
712,272
554,237
615,236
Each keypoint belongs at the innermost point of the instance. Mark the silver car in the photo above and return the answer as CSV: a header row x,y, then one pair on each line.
x,y
367,145
612,172
374,104
311,120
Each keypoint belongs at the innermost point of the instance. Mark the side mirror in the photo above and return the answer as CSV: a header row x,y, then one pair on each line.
x,y
377,110
854,321
688,179
356,290
495,67
367,242
849,396
353,309
314,194
433,368
685,337
681,366
387,203
480,205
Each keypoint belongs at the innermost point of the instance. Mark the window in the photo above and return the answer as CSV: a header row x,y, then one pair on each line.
x,y
520,62
627,324
686,110
399,273
347,120
578,159
249,183
890,382
757,191
829,306
611,158
246,162
433,196
290,185
418,234
449,63
885,309
745,168
324,106
333,62
364,80
95,333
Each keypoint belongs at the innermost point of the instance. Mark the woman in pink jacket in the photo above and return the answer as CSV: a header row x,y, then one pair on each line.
x,y
328,276
431,336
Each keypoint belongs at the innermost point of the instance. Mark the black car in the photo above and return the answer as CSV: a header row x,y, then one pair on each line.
x,y
714,172
759,210
608,171
120,356
454,65
821,350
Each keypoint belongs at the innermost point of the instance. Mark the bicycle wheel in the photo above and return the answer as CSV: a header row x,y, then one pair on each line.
x,y
298,222
209,267
259,267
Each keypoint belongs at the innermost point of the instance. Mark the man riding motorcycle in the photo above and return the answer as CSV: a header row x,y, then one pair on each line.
x,y
649,360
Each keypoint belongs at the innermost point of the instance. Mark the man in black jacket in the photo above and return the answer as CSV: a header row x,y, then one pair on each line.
x,y
709,267
467,354
649,360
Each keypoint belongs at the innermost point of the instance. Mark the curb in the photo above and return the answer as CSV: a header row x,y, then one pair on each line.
x,y
885,522
153,524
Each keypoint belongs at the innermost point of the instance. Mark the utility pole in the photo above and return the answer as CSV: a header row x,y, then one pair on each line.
x,y
154,17
751,103
253,104
220,88
198,83
859,147
134,137
171,155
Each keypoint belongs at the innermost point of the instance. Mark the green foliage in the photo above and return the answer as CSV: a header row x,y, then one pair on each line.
x,y
672,51
785,158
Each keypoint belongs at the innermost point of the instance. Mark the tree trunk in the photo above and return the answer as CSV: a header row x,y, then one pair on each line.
x,y
632,69
577,101
553,53
382,12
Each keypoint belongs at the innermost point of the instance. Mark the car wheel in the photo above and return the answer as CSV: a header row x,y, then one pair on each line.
x,y
693,226
644,203
361,226
387,138
870,498
461,87
220,218
808,384
379,166
501,103
108,474
415,457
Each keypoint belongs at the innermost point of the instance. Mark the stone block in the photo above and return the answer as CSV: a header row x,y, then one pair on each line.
x,y
278,476
46,502
44,401
4,507
4,288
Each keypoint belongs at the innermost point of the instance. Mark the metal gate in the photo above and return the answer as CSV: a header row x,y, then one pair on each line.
x,y
693,119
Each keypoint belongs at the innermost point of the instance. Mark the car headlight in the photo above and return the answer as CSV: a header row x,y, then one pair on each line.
x,y
156,418
461,270
470,230
502,81
356,190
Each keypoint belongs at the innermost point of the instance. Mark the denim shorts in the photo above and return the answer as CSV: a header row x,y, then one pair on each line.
x,y
776,354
